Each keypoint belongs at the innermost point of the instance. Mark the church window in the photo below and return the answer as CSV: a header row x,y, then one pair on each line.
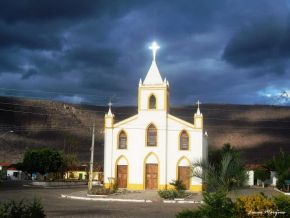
x,y
152,102
122,140
184,141
151,136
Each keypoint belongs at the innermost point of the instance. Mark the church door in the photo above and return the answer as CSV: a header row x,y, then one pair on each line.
x,y
122,173
151,174
184,175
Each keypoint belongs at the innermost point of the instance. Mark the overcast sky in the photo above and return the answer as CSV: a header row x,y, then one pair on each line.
x,y
222,51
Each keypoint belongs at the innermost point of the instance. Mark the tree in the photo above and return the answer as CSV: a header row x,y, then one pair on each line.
x,y
43,161
281,164
262,174
223,171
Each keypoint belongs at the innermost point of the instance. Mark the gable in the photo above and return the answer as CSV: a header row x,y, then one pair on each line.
x,y
180,121
126,121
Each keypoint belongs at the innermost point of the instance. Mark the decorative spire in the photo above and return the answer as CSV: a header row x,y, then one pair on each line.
x,y
198,110
153,76
110,105
154,47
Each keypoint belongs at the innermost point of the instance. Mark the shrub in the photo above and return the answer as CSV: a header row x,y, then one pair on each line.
x,y
171,194
100,191
262,174
246,206
186,213
178,185
19,209
283,203
216,204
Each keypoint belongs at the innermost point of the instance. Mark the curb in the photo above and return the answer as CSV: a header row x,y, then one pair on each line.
x,y
181,202
105,199
285,193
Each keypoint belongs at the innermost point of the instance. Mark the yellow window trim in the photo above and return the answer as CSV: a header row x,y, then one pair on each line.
x,y
148,102
146,135
118,141
189,140
166,96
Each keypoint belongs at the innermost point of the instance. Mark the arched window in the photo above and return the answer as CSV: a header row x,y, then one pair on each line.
x,y
122,142
151,135
184,140
152,102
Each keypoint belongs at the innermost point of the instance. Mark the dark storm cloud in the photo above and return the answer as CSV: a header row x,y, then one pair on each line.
x,y
93,56
233,48
27,36
259,43
45,10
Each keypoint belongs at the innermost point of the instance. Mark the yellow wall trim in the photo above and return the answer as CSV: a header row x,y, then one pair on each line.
x,y
195,188
107,185
135,187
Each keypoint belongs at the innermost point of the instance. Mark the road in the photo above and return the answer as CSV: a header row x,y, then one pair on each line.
x,y
55,206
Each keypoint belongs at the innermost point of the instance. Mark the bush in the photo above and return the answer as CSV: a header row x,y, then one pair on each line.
x,y
186,213
100,191
283,203
216,204
246,205
178,185
19,209
262,174
171,194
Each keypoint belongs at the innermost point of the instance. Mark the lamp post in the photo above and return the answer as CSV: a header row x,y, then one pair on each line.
x,y
90,183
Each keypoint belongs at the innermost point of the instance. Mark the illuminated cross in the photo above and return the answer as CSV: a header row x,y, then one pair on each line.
x,y
198,103
154,47
110,104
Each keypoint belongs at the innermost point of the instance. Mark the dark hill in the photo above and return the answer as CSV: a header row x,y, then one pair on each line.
x,y
258,131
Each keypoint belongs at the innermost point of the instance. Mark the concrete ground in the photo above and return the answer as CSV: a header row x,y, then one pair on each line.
x,y
138,195
55,206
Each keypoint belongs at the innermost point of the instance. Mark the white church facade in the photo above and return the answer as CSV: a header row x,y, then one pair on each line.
x,y
152,148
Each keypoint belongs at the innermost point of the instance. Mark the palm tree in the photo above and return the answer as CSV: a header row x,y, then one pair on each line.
x,y
224,174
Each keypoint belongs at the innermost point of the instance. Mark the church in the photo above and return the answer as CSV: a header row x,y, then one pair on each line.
x,y
153,147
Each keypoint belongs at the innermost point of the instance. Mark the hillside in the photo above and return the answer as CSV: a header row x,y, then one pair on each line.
x,y
258,131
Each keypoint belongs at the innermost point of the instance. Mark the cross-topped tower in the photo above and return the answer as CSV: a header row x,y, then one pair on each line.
x,y
198,110
154,47
153,76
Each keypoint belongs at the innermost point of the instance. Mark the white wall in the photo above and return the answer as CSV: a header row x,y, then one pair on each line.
x,y
136,152
250,181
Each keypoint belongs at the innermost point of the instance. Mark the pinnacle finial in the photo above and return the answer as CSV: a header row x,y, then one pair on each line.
x,y
198,110
110,105
154,47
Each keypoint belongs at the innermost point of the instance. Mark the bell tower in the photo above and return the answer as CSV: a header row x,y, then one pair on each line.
x,y
153,93
198,117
